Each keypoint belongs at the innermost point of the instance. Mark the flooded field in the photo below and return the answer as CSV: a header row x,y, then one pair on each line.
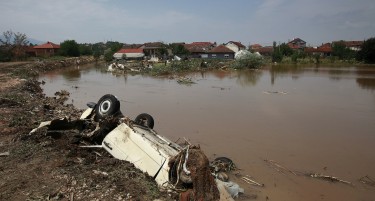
x,y
306,119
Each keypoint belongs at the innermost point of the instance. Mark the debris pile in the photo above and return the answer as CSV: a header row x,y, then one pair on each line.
x,y
191,166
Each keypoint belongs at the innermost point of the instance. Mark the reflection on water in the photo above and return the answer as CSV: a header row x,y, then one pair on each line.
x,y
249,77
366,83
280,71
324,123
72,74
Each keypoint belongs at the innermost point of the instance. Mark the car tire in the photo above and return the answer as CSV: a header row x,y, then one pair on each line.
x,y
107,105
145,119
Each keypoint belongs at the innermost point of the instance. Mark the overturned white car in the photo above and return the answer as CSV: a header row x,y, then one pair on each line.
x,y
171,165
135,141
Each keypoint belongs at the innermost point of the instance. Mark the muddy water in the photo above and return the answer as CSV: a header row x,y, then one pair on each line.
x,y
306,119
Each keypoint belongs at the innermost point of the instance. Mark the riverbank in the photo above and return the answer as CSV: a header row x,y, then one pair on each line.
x,y
42,167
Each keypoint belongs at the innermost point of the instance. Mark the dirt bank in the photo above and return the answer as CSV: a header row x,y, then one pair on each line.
x,y
43,167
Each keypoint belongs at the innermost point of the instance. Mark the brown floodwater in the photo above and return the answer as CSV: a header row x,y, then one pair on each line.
x,y
306,119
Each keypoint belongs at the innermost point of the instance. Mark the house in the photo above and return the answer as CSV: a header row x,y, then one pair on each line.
x,y
154,49
266,51
353,45
129,54
323,50
196,51
206,45
235,46
221,52
46,50
199,49
297,44
255,47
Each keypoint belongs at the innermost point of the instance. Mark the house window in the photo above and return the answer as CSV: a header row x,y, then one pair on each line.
x,y
213,55
226,56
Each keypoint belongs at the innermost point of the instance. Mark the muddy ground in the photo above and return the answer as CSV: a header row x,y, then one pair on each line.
x,y
54,167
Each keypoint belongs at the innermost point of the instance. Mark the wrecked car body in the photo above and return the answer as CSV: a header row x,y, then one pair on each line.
x,y
171,165
135,141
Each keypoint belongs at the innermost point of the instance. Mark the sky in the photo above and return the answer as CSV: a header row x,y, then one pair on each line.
x,y
245,21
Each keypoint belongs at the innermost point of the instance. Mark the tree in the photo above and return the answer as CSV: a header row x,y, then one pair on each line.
x,y
7,35
20,43
123,57
13,45
96,55
285,50
85,49
5,46
108,55
114,45
69,48
367,52
340,50
276,55
179,49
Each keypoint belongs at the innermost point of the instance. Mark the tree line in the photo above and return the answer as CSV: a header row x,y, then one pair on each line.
x,y
339,51
13,46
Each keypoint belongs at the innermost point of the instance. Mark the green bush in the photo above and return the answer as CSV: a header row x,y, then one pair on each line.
x,y
249,60
367,53
69,48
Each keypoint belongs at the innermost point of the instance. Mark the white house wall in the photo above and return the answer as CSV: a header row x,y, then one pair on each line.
x,y
233,47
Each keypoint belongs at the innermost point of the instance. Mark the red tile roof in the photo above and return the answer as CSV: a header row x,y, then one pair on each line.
x,y
221,49
48,45
265,50
350,43
310,50
353,43
255,46
199,47
325,48
196,49
238,44
204,44
130,51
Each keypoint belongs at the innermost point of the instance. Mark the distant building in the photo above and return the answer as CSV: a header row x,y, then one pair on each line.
x,y
353,45
235,46
255,47
265,51
46,50
323,50
153,49
297,44
129,54
199,49
221,52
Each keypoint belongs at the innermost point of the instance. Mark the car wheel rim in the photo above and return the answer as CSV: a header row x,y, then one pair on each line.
x,y
104,107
